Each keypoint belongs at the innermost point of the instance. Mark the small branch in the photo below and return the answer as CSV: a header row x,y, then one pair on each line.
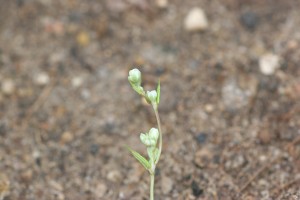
x,y
261,170
278,190
160,132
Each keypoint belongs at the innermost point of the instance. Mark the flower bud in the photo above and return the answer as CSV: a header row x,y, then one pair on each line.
x,y
154,134
135,77
147,140
152,95
143,137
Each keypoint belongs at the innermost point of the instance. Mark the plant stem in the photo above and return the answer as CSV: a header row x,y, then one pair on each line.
x,y
160,132
152,177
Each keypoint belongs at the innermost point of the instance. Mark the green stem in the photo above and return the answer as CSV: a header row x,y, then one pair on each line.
x,y
160,132
152,176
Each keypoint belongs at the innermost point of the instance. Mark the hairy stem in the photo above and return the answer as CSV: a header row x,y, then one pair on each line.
x,y
152,177
160,132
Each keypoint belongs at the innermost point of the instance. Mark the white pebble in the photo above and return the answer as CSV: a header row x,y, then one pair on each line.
x,y
196,20
77,81
268,64
8,87
162,3
100,190
42,79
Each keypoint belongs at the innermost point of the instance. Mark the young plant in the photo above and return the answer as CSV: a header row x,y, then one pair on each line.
x,y
154,136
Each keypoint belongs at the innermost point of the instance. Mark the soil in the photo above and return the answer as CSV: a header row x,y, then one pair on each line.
x,y
67,111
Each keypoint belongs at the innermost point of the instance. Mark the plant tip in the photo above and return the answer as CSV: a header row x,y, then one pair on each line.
x,y
152,95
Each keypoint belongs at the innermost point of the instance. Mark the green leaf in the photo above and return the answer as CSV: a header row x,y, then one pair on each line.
x,y
158,92
140,158
155,154
137,88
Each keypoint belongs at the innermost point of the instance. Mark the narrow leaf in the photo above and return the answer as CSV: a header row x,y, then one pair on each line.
x,y
158,92
139,157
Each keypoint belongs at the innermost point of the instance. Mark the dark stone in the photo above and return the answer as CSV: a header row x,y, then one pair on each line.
x,y
109,127
249,20
159,71
38,161
94,149
3,129
219,66
201,138
197,191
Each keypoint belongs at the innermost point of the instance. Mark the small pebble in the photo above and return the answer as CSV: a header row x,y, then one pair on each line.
x,y
8,87
249,20
77,81
26,176
100,190
197,191
83,39
162,3
264,136
203,158
94,148
42,79
196,20
235,162
201,138
66,137
268,64
166,184
209,108
114,176
4,186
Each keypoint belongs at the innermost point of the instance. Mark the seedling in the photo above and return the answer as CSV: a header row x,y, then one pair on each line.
x,y
154,135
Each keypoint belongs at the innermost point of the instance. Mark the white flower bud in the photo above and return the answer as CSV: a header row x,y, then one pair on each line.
x,y
143,137
135,77
147,140
152,95
154,134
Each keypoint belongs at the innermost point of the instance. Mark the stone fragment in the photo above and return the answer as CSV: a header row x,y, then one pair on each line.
x,y
268,64
249,20
77,81
42,79
197,191
196,20
83,39
66,137
114,176
8,87
100,190
161,3
166,184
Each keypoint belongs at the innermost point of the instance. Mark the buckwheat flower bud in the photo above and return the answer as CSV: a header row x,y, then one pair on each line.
x,y
143,137
152,95
147,140
154,134
135,77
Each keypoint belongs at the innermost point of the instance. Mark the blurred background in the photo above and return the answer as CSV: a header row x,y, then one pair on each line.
x,y
230,110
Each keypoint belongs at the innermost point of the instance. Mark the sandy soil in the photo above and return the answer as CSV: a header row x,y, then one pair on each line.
x,y
67,111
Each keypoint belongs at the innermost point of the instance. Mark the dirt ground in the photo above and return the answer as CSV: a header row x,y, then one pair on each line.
x,y
231,130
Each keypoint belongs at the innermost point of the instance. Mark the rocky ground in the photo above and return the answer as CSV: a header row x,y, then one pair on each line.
x,y
230,110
